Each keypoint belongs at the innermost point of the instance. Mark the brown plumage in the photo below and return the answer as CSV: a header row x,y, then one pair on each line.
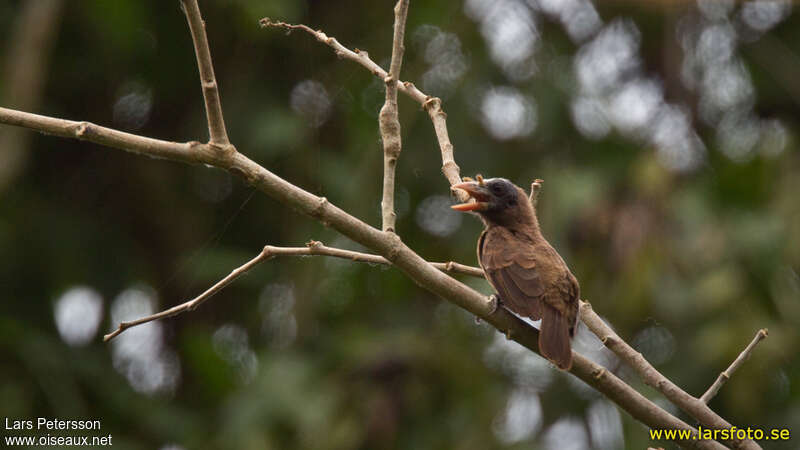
x,y
530,277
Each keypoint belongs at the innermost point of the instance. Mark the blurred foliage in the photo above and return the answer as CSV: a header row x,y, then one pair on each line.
x,y
666,136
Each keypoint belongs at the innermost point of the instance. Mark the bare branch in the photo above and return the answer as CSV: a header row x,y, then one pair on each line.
x,y
450,169
388,120
652,377
87,131
726,374
433,105
217,134
192,304
312,248
398,48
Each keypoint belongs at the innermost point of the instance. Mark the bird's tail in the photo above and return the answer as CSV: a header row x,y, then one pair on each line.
x,y
554,342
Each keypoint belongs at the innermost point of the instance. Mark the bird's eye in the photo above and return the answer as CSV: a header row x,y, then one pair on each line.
x,y
496,189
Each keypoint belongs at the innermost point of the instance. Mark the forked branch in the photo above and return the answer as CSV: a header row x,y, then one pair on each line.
x,y
433,105
312,248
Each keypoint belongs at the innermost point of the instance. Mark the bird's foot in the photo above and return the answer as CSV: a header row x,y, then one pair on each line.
x,y
494,303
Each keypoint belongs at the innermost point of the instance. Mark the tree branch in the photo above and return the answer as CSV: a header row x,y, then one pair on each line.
x,y
312,248
86,131
388,120
433,105
726,374
217,134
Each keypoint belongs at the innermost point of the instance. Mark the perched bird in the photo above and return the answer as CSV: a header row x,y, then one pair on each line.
x,y
530,277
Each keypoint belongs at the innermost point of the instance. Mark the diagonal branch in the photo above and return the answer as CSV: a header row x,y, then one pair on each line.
x,y
652,377
388,121
433,105
726,374
217,134
312,248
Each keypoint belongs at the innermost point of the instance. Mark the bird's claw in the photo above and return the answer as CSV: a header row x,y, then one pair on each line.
x,y
494,303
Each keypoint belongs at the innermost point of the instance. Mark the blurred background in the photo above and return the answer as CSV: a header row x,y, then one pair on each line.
x,y
666,133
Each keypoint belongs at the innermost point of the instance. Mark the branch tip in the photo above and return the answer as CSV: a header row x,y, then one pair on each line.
x,y
726,374
216,123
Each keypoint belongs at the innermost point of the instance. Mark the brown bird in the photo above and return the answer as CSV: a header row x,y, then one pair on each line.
x,y
530,277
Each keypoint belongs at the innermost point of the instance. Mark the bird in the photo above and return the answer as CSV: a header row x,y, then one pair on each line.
x,y
530,277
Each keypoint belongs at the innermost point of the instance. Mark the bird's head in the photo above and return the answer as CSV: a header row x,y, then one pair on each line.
x,y
497,200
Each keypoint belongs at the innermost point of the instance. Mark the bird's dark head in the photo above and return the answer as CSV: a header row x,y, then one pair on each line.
x,y
497,200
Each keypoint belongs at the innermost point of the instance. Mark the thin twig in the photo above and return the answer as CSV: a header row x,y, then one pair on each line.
x,y
388,120
727,373
192,304
433,105
312,248
217,134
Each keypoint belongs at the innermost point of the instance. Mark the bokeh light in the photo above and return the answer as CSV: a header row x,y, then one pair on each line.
x,y
310,99
276,305
77,313
139,353
133,106
521,419
554,436
435,216
232,344
507,113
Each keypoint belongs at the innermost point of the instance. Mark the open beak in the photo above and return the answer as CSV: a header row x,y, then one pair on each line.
x,y
479,197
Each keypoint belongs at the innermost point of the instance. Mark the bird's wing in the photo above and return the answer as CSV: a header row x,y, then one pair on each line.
x,y
533,281
511,267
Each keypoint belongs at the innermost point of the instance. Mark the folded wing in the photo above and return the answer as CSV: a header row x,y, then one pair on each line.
x,y
533,281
